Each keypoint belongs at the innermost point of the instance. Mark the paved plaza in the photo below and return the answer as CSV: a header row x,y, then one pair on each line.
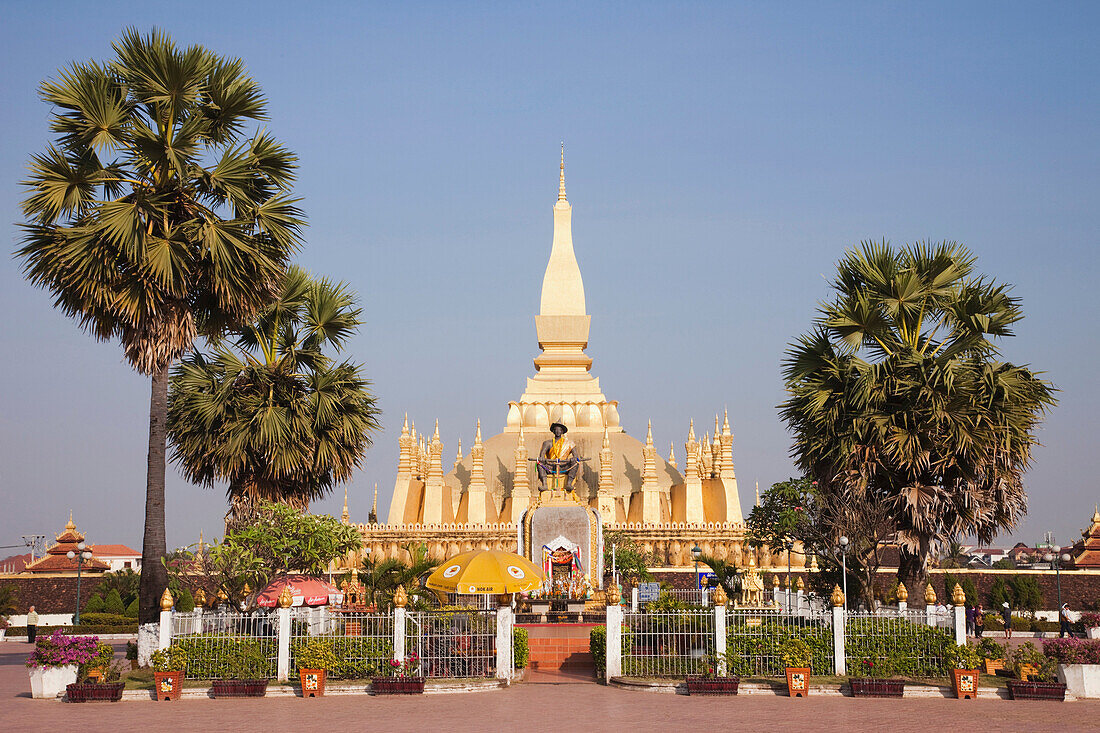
x,y
543,703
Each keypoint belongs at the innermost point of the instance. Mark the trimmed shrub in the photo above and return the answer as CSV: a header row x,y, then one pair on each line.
x,y
758,650
352,657
104,619
94,605
132,609
113,604
597,645
1027,593
213,657
889,643
521,652
185,602
999,593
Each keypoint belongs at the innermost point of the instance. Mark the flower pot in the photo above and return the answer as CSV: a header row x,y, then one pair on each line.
x,y
239,688
699,685
1027,671
1082,680
94,691
397,685
1025,690
966,683
49,682
1092,632
873,687
313,682
798,681
168,685
992,665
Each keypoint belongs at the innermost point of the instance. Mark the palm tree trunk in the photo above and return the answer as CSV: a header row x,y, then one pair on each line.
x,y
154,576
913,572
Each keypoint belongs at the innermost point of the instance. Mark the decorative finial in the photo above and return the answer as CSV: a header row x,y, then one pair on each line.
x,y
691,430
344,516
166,600
374,506
69,525
435,435
246,591
649,434
405,427
286,600
726,423
776,581
902,593
929,594
958,597
672,455
477,435
400,597
458,456
800,584
837,597
613,594
716,425
201,543
757,493
1096,514
719,597
561,175
200,598
606,438
223,596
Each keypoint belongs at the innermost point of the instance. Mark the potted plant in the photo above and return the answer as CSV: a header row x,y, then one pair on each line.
x,y
132,654
403,678
98,678
709,683
314,657
1038,686
876,682
964,667
796,656
169,666
1089,619
247,667
992,654
1078,663
55,661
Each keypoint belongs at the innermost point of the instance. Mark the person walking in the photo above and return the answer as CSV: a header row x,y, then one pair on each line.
x,y
32,625
969,620
979,621
1063,621
1006,614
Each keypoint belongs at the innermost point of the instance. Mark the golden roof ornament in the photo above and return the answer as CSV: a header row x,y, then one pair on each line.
x,y
718,595
813,564
929,594
166,600
285,598
614,596
400,597
958,597
903,592
775,581
837,597
800,584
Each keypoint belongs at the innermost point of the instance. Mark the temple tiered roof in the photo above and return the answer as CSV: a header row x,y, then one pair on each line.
x,y
56,559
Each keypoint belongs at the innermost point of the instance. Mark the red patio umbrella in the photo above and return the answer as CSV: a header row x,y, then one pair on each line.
x,y
305,590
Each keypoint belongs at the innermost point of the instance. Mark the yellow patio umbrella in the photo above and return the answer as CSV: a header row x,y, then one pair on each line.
x,y
486,571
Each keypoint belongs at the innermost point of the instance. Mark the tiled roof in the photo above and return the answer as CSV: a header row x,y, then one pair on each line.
x,y
114,551
61,563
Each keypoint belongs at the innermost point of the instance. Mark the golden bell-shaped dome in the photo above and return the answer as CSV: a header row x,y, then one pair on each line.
x,y
837,597
929,594
903,592
166,600
958,597
400,597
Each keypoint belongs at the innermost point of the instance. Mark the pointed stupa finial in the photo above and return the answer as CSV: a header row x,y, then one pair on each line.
x,y
405,427
691,430
200,539
374,506
672,455
70,525
458,456
715,425
726,422
344,514
1096,513
649,434
477,435
606,438
561,175
757,493
435,435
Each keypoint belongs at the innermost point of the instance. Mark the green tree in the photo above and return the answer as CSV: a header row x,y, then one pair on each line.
x,y
113,603
1005,563
381,578
154,217
632,562
1026,593
726,574
125,581
132,609
185,602
999,592
9,599
94,604
899,397
273,415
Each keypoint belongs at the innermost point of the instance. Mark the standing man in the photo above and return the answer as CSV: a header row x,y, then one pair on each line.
x,y
1006,614
1063,621
32,625
979,621
557,456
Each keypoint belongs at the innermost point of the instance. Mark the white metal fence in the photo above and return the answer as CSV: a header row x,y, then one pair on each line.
x,y
896,643
225,645
454,643
361,643
755,640
668,643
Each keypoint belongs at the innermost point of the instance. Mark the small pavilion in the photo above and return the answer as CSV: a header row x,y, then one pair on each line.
x,y
56,559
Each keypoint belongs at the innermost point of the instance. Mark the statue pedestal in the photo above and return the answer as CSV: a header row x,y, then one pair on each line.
x,y
564,537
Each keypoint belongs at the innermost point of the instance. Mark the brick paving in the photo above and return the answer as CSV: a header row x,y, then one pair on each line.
x,y
545,702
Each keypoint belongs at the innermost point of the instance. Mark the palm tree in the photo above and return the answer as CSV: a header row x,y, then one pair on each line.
x,y
898,397
272,414
726,574
152,218
381,578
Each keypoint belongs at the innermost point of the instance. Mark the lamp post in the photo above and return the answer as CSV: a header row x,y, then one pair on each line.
x,y
843,542
789,545
1056,561
695,553
80,557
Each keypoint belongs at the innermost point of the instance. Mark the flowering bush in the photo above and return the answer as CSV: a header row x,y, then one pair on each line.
x,y
408,668
1073,651
59,650
1090,620
4,623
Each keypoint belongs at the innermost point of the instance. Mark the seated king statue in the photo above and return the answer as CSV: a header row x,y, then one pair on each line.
x,y
558,457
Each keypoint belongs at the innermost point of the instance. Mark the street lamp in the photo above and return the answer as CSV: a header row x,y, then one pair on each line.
x,y
1056,562
789,544
844,567
695,553
80,558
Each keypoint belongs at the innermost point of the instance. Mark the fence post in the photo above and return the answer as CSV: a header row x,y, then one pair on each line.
x,y
614,651
960,625
720,636
634,600
166,603
504,641
283,664
840,619
399,633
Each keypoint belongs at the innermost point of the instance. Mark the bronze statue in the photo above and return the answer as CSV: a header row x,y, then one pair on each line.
x,y
558,456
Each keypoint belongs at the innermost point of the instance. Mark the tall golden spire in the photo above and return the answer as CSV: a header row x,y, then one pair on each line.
x,y
561,175
374,506
344,516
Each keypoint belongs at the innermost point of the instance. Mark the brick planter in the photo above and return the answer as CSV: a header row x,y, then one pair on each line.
x,y
871,687
698,685
798,681
313,682
168,685
397,685
1025,690
239,688
966,683
94,691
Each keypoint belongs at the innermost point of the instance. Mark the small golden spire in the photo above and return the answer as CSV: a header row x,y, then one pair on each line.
x,y
223,596
405,427
958,597
374,504
458,456
800,584
726,423
286,600
837,597
719,597
561,175
776,582
344,516
400,597
477,435
929,594
902,593
649,434
757,493
166,600
200,598
246,591
606,439
201,543
691,431
613,594
672,455
69,525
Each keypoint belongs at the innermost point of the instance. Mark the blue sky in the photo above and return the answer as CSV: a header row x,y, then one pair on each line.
x,y
719,157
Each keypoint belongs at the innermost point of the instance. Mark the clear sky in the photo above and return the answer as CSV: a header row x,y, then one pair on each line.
x,y
719,159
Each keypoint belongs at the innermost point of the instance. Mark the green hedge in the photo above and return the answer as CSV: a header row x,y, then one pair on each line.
x,y
597,645
521,652
898,648
105,619
82,630
213,657
357,657
755,651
